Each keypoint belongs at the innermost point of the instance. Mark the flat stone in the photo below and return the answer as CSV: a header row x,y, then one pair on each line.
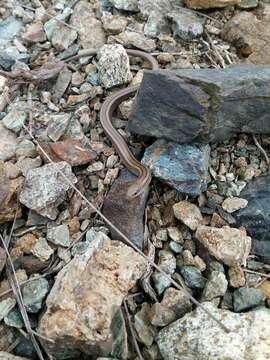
x,y
89,28
248,4
199,337
233,204
14,319
80,308
59,235
216,286
45,188
14,120
200,105
128,5
255,217
250,35
247,298
58,125
7,356
62,83
70,150
5,307
126,214
188,213
113,66
113,24
35,33
228,245
8,143
184,167
34,292
193,277
209,4
133,39
42,250
8,29
186,25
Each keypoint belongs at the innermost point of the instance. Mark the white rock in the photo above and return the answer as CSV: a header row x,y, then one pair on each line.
x,y
233,204
197,337
216,286
128,5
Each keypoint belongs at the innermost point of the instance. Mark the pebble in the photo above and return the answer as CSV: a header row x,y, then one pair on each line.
x,y
161,282
186,25
248,4
133,39
188,213
127,5
59,235
26,164
9,28
193,277
113,24
15,120
175,247
8,143
42,250
216,286
34,292
34,33
236,277
247,298
58,124
145,331
5,306
175,234
26,148
167,261
233,204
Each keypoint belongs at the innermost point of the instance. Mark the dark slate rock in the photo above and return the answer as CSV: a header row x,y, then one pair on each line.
x,y
184,167
256,216
247,298
127,214
202,105
193,277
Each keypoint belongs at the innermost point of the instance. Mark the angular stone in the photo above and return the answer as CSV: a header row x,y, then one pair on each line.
x,y
216,286
58,125
8,143
8,29
188,213
10,55
247,298
199,337
250,35
229,245
128,5
113,24
59,235
113,66
209,4
184,167
201,105
256,216
133,39
193,277
233,204
146,332
35,33
14,120
7,356
9,207
127,215
45,188
248,4
85,297
34,292
5,307
186,25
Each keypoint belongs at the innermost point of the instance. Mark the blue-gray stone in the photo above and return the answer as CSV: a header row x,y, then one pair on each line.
x,y
10,55
161,282
8,29
247,298
184,167
106,5
193,277
256,216
34,292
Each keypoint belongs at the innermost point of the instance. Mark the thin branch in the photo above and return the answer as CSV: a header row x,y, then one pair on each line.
x,y
256,273
262,151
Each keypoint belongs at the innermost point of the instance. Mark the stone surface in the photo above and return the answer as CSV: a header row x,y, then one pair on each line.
x,y
133,39
35,33
57,127
216,286
236,277
10,55
228,245
113,66
144,329
247,298
193,277
89,28
126,215
186,25
14,120
34,293
85,297
209,4
188,213
248,4
45,188
8,29
233,204
8,142
113,24
255,217
161,282
3,258
59,235
250,35
7,356
202,105
128,5
184,167
199,337
5,306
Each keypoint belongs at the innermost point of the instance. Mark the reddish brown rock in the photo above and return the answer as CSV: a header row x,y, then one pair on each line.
x,y
35,33
72,151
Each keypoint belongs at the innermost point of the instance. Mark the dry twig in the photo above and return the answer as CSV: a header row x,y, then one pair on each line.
x,y
262,151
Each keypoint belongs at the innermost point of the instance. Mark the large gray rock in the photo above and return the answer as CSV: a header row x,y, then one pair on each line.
x,y
197,337
8,29
202,105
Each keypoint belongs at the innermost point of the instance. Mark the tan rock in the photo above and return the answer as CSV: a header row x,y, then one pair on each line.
x,y
7,356
86,295
236,277
188,213
250,35
233,204
265,288
35,33
229,245
209,4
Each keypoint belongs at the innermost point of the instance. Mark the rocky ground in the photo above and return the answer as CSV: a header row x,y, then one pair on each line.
x,y
70,288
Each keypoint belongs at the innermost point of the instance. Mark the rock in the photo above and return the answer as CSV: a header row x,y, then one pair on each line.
x,y
10,55
91,33
9,28
59,235
233,204
113,65
156,24
8,142
113,24
11,170
209,4
167,261
58,125
35,33
3,259
236,277
248,4
188,213
160,282
80,308
175,234
228,245
183,109
186,25
119,334
247,298
70,150
264,287
145,331
62,83
26,148
193,277
44,188
184,167
9,207
127,5
5,307
199,337
14,120
127,215
26,164
14,319
34,292
161,315
133,39
42,250
7,337
250,35
7,356
175,247
216,286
